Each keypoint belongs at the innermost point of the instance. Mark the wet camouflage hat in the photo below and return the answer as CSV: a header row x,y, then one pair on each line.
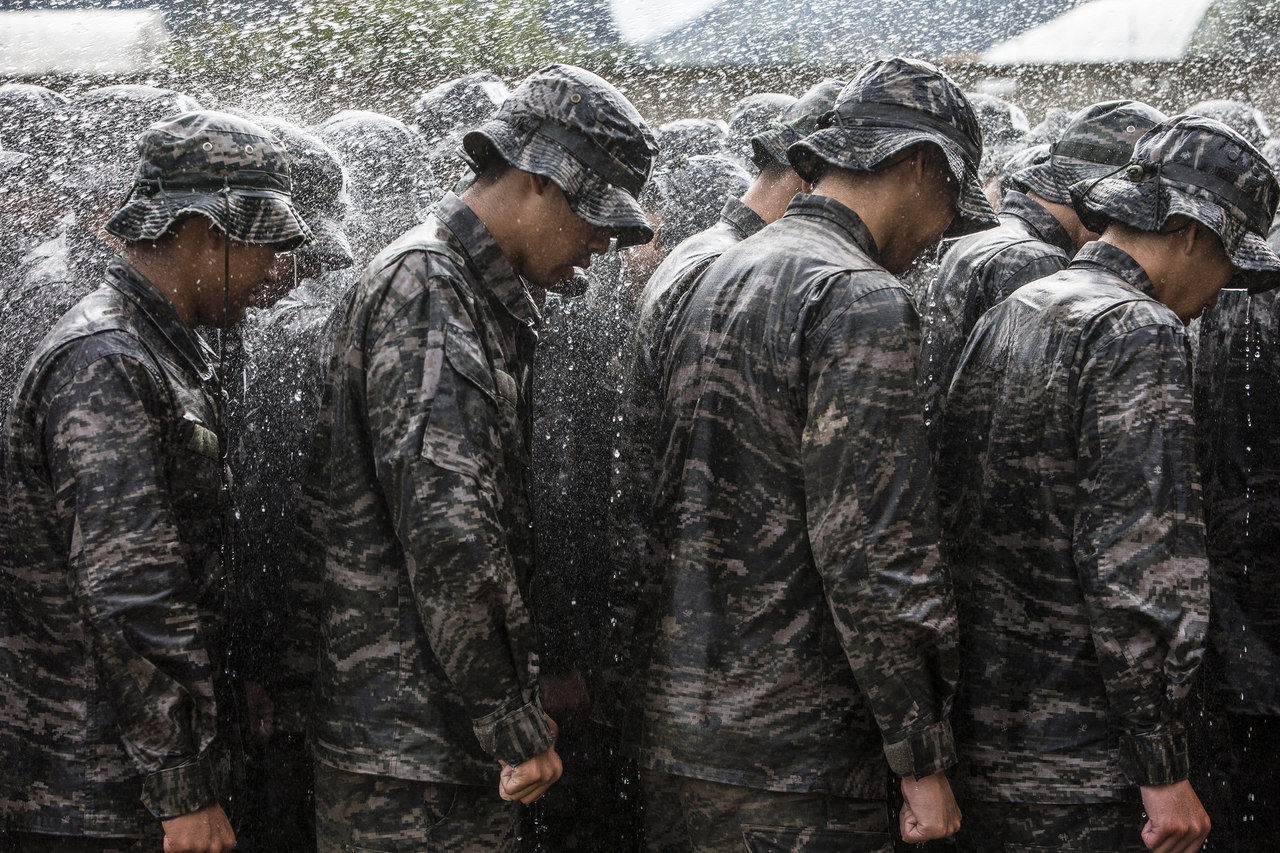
x,y
318,193
1199,168
575,128
219,166
33,119
1099,139
456,106
690,194
891,105
795,123
1036,155
1047,131
751,116
690,137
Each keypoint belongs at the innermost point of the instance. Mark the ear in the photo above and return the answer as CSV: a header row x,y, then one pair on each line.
x,y
1191,239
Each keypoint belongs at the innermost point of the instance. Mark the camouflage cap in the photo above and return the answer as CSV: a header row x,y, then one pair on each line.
x,y
573,127
691,193
1240,117
216,165
1199,168
319,191
1035,155
1099,138
795,123
1047,131
751,116
690,137
891,105
458,105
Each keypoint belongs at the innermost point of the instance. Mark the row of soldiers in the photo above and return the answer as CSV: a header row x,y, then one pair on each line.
x,y
786,549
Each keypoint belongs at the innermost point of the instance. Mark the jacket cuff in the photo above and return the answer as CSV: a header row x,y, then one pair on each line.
x,y
175,791
515,732
923,753
1155,758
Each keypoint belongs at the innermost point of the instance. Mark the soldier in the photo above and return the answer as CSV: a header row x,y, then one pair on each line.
x,y
1071,507
750,117
113,707
417,514
658,306
799,632
1039,232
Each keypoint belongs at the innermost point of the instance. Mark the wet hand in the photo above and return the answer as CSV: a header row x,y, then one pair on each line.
x,y
531,779
205,831
1176,821
929,809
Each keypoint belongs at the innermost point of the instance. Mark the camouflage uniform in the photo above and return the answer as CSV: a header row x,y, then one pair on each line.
x,y
1071,499
1234,768
113,600
417,548
981,271
798,628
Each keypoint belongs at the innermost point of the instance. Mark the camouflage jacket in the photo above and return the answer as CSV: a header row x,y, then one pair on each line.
x,y
1237,411
978,272
800,628
1071,521
417,549
113,596
661,304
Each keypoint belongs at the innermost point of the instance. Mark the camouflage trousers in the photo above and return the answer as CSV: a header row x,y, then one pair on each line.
x,y
1028,827
32,842
356,813
685,815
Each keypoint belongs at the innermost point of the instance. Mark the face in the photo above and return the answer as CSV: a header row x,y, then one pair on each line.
x,y
254,280
562,241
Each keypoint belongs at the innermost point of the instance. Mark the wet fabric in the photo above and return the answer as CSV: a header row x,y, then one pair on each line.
x,y
370,814
976,273
795,123
693,816
415,556
1041,828
1072,526
1236,415
797,625
114,595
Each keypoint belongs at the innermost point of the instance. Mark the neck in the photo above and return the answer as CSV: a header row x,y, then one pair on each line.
x,y
770,193
1067,218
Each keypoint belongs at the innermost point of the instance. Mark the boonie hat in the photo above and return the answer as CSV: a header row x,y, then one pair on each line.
x,y
1199,168
891,105
573,127
795,123
216,165
1098,139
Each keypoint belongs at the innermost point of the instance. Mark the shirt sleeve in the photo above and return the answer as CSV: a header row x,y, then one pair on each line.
x,y
873,525
438,419
106,441
1139,542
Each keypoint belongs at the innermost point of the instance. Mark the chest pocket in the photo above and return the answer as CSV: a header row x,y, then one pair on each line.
x,y
472,425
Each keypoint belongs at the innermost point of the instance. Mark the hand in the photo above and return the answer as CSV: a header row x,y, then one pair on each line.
x,y
565,699
1176,822
530,779
205,831
929,809
262,711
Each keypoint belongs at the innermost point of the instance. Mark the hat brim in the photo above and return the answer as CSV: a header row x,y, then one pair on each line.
x,y
592,198
769,147
862,149
1147,206
261,217
329,245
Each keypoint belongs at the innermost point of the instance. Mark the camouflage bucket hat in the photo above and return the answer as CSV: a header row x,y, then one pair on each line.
x,y
1199,168
224,168
795,123
318,192
576,129
1098,139
750,117
891,105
